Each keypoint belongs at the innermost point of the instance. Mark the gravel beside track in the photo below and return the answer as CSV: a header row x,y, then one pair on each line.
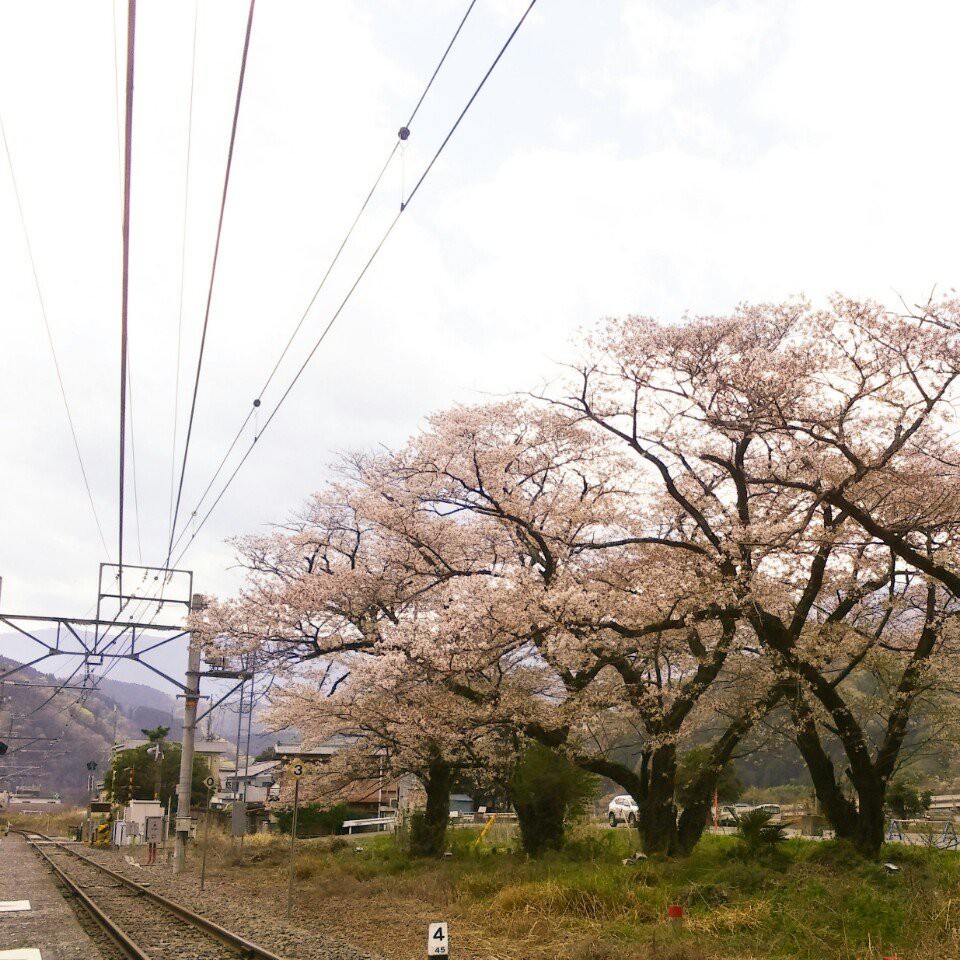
x,y
156,931
250,918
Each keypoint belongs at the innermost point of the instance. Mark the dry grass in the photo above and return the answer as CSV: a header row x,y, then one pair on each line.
x,y
813,902
56,823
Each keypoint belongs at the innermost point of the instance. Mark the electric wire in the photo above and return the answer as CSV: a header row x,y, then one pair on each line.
x,y
183,265
50,341
125,280
133,461
366,266
59,689
213,273
403,207
402,134
433,76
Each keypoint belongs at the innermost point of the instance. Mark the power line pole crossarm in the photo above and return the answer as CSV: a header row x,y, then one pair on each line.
x,y
190,701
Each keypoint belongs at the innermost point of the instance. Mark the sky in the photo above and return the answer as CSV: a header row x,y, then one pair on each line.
x,y
637,156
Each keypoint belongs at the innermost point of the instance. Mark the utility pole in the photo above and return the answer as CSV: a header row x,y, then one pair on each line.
x,y
190,700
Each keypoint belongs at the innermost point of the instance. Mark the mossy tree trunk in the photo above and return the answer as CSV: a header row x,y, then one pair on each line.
x,y
428,830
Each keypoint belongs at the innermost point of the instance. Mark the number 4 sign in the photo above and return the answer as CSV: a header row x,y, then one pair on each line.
x,y
437,942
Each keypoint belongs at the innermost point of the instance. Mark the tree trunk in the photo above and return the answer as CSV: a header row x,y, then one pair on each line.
x,y
840,811
428,830
692,823
868,833
658,813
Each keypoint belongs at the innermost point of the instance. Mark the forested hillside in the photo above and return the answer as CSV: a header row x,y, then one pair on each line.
x,y
51,736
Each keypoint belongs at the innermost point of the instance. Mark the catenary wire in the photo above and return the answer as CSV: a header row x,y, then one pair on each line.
x,y
183,264
49,332
366,266
125,281
403,207
402,134
213,273
133,461
330,267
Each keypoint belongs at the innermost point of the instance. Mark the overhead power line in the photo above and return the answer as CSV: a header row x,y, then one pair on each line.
x,y
49,332
183,267
125,281
213,274
133,460
402,135
333,319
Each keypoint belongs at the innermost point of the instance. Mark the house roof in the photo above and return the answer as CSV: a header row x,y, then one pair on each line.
x,y
254,770
336,743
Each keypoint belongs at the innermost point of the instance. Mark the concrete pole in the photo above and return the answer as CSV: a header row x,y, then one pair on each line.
x,y
190,701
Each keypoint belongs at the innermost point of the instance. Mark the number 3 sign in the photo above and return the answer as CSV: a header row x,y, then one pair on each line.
x,y
437,942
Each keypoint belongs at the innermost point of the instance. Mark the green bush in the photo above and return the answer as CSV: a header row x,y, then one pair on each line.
x,y
758,834
426,837
729,785
547,791
905,799
315,819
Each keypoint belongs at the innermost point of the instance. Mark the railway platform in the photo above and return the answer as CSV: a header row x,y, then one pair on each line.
x,y
50,925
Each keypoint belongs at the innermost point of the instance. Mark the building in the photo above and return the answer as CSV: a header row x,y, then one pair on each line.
x,y
259,778
461,804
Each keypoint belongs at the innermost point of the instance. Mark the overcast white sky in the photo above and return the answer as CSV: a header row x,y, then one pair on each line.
x,y
625,157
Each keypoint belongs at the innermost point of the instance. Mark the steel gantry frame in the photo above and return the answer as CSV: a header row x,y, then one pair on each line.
x,y
112,638
115,639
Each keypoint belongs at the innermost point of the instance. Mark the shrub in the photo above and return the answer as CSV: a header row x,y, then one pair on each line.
x,y
905,799
547,790
426,837
758,834
729,785
314,819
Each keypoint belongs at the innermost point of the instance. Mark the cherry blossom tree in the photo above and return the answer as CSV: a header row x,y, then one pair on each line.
x,y
798,446
620,618
713,520
395,722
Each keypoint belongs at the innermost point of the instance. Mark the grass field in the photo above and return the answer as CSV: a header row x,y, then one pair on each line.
x,y
55,823
806,900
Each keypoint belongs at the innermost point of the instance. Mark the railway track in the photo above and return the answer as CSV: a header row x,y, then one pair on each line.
x,y
143,924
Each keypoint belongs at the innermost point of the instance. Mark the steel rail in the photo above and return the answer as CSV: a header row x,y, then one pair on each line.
x,y
227,937
115,931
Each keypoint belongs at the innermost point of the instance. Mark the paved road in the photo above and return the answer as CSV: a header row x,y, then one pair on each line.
x,y
51,926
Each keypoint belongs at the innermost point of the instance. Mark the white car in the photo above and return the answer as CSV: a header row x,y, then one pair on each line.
x,y
623,809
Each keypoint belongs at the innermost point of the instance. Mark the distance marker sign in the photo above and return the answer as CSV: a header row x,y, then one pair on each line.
x,y
209,782
296,769
438,944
